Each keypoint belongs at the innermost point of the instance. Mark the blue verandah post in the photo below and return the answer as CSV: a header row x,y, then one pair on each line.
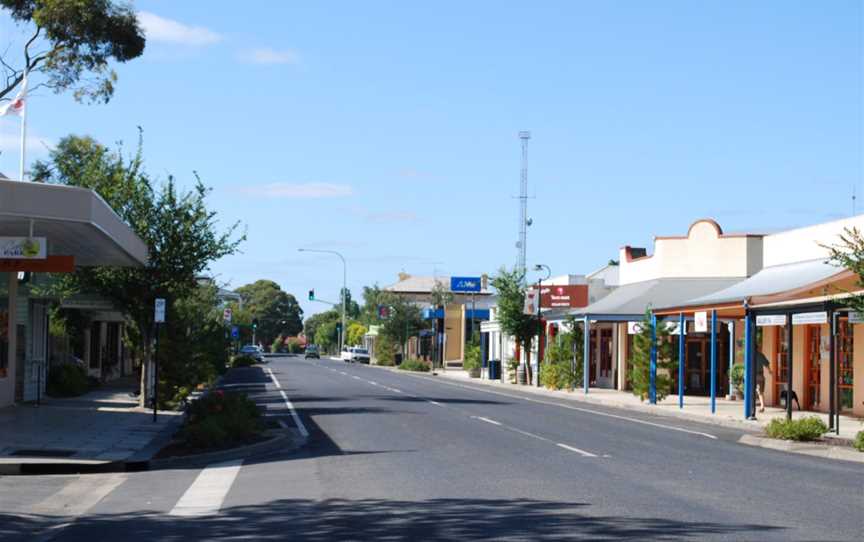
x,y
748,365
586,350
681,359
652,387
713,362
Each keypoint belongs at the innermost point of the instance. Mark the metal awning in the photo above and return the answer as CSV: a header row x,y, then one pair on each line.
x,y
772,280
630,301
76,222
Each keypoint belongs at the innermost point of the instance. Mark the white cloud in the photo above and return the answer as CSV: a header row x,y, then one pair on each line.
x,y
299,190
158,28
271,56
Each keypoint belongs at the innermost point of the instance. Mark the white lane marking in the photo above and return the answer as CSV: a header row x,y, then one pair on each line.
x,y
283,424
487,420
355,377
577,450
290,406
343,373
372,382
580,409
207,493
79,496
436,403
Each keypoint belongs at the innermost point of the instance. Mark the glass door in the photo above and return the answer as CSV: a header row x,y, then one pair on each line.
x,y
779,362
845,355
811,367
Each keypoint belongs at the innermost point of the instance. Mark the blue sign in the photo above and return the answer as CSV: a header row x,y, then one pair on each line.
x,y
464,284
235,332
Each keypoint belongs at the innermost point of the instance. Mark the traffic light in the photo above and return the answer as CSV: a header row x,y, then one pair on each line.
x,y
254,323
312,295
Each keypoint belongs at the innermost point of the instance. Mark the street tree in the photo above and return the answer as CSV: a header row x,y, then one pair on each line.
x,y
277,311
848,253
71,44
404,319
511,309
640,364
179,229
312,323
355,334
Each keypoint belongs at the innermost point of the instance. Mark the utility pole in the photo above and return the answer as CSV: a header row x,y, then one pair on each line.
x,y
524,221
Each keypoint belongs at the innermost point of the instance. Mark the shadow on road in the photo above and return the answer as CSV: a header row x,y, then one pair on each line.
x,y
379,519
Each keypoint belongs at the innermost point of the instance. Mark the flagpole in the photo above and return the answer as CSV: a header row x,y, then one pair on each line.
x,y
23,131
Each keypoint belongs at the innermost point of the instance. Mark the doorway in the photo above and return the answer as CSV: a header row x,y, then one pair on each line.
x,y
812,376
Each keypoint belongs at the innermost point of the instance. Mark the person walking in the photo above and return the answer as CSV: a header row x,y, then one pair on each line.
x,y
762,365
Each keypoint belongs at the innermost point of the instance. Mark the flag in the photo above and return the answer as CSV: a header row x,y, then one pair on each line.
x,y
16,106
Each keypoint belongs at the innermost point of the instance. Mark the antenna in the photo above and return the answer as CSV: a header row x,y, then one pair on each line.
x,y
521,245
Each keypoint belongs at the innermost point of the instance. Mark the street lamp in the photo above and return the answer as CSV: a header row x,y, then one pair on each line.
x,y
344,288
540,334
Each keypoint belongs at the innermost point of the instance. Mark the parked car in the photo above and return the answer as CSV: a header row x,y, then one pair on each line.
x,y
346,354
252,351
312,352
359,355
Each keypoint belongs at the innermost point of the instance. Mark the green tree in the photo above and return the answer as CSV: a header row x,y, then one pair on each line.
x,y
640,364
314,322
404,320
352,309
849,254
177,226
278,312
327,336
563,367
511,306
71,44
355,334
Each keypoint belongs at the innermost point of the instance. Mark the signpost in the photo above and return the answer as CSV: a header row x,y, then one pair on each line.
x,y
158,318
470,285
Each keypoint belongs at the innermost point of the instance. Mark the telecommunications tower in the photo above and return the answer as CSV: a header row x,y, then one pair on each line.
x,y
524,221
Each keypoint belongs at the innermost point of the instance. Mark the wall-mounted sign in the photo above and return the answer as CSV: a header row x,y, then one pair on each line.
x,y
810,318
531,302
700,322
566,296
672,328
856,318
23,248
465,284
634,328
771,320
51,264
159,311
235,332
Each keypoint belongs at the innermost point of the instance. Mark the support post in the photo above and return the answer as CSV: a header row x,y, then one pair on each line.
x,y
789,328
748,365
731,328
713,362
832,370
156,375
652,371
586,351
681,358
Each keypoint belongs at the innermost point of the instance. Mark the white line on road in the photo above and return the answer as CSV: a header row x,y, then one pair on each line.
x,y
290,406
487,420
207,493
436,403
577,450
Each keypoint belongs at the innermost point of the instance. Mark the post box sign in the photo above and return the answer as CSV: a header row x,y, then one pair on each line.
x,y
563,297
23,248
700,322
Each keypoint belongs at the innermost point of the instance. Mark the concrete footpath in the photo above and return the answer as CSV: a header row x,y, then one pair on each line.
x,y
697,409
100,427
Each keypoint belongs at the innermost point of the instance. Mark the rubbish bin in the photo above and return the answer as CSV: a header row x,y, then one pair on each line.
x,y
521,375
397,359
494,369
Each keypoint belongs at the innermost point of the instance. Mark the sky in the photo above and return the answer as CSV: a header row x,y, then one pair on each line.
x,y
387,131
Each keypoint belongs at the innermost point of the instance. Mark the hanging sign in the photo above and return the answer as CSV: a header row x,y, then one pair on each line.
x,y
634,328
810,318
159,311
771,320
531,303
23,248
700,322
856,318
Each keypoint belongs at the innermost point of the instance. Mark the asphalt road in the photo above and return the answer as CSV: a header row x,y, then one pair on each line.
x,y
395,456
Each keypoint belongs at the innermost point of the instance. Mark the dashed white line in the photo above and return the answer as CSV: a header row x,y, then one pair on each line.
x,y
207,493
487,420
574,449
436,403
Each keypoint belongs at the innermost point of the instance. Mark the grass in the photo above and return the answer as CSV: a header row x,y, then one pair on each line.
x,y
414,365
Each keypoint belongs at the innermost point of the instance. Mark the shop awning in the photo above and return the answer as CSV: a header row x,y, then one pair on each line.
x,y
629,302
75,221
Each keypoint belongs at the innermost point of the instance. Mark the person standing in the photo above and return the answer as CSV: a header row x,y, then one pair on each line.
x,y
762,365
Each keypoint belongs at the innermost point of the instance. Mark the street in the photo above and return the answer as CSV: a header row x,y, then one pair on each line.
x,y
396,456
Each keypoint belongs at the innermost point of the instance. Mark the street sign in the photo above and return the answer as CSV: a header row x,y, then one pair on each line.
x,y
159,311
771,320
465,284
235,332
227,314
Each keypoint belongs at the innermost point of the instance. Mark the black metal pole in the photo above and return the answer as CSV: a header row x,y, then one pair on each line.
x,y
539,326
789,391
156,375
832,378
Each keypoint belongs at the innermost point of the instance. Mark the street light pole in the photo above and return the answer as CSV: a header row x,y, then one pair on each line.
x,y
344,289
540,334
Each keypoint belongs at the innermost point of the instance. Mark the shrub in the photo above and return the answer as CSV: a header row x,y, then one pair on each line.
x,y
804,429
472,358
385,350
737,376
294,346
220,419
415,365
67,380
276,347
385,362
243,361
858,442
557,375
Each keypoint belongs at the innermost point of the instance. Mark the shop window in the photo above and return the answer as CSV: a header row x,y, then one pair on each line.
x,y
4,340
779,361
845,354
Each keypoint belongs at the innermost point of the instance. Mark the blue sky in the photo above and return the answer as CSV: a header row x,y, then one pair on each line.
x,y
388,130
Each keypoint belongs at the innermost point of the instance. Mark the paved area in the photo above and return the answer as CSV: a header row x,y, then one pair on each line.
x,y
400,457
103,425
